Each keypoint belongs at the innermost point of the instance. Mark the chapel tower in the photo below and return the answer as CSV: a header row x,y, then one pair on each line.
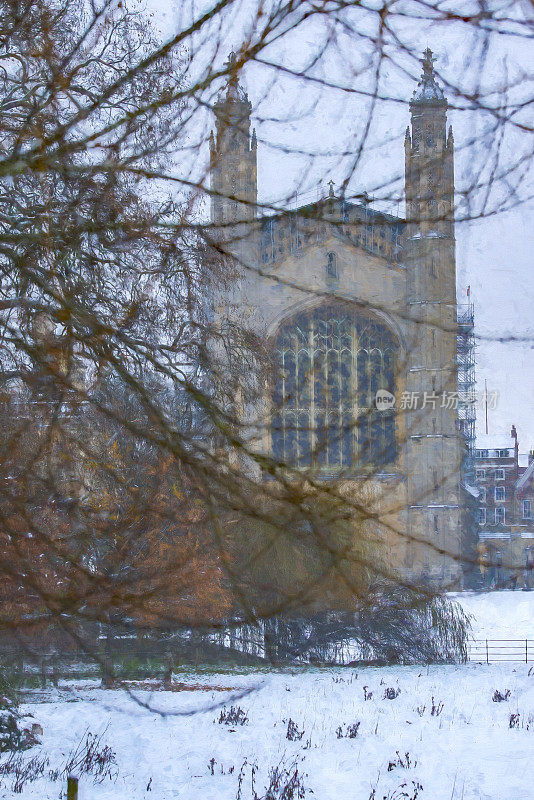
x,y
233,157
434,445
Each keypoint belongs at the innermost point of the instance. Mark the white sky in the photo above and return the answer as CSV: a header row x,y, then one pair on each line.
x,y
494,254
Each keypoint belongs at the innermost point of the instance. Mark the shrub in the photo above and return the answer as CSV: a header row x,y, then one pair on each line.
x,y
12,738
400,626
498,697
351,731
233,716
392,625
403,792
90,757
436,708
285,782
293,733
404,763
23,770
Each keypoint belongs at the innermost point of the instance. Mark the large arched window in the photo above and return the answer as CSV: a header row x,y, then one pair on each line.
x,y
331,362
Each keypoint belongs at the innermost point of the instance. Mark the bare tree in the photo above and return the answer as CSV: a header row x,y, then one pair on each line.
x,y
141,398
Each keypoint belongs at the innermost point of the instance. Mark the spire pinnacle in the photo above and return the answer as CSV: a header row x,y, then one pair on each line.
x,y
231,65
232,92
428,62
428,91
230,61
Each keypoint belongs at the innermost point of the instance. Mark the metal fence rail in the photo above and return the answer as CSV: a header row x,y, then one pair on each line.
x,y
494,651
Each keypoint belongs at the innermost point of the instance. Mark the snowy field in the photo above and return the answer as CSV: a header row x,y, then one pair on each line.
x,y
499,615
431,733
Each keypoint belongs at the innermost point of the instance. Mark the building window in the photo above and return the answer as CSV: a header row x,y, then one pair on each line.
x,y
500,493
499,515
436,528
482,453
527,509
331,363
483,494
331,266
502,453
481,516
481,474
499,475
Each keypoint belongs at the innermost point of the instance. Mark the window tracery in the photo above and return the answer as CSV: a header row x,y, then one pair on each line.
x,y
331,361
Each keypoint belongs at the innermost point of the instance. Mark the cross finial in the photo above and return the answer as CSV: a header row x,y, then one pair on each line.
x,y
428,61
232,58
231,66
233,90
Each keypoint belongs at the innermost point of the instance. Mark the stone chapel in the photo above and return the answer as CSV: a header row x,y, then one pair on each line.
x,y
359,311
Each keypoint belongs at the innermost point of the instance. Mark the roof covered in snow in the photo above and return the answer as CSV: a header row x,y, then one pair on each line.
x,y
473,490
526,476
499,441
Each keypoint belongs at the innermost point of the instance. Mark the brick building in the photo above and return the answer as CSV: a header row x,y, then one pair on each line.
x,y
505,510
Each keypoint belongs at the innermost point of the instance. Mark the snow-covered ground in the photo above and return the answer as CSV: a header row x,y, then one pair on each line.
x,y
466,751
172,745
499,615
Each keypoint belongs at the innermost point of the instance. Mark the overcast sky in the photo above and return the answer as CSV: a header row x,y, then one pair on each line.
x,y
307,134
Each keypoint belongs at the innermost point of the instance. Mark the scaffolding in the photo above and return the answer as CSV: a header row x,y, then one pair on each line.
x,y
465,348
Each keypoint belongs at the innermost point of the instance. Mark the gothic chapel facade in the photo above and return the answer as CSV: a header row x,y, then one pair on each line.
x,y
355,302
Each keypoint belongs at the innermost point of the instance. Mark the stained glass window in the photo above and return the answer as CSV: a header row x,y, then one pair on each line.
x,y
331,362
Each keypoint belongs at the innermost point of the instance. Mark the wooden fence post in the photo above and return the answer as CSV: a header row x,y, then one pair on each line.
x,y
72,788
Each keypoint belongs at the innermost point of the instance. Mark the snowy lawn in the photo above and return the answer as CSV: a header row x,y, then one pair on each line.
x,y
465,750
499,615
441,737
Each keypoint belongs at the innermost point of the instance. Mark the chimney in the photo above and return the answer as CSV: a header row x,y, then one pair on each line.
x,y
513,434
531,457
